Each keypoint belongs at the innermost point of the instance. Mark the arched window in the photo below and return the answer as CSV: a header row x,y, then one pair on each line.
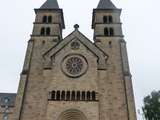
x,y
43,31
78,95
110,19
58,95
68,95
53,93
83,95
93,95
63,95
50,19
44,19
111,32
73,95
106,33
88,95
48,31
105,19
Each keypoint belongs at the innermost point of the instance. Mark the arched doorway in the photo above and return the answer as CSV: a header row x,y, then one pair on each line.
x,y
72,114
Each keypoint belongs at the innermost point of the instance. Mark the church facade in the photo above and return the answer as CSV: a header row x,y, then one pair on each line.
x,y
73,78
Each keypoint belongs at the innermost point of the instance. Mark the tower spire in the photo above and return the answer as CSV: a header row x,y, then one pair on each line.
x,y
106,4
50,4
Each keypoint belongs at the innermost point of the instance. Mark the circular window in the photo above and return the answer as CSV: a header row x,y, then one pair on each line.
x,y
74,65
75,45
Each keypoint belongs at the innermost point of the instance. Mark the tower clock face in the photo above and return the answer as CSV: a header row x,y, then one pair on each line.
x,y
74,65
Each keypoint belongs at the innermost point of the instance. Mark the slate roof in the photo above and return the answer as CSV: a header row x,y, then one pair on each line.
x,y
50,4
106,4
10,97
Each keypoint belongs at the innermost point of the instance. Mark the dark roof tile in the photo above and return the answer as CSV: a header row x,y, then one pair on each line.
x,y
106,4
50,4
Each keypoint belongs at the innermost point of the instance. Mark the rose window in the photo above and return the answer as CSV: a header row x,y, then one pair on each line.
x,y
74,65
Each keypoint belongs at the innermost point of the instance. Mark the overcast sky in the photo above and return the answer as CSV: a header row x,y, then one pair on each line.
x,y
141,24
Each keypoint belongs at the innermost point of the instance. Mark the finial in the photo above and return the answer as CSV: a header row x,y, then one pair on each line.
x,y
76,26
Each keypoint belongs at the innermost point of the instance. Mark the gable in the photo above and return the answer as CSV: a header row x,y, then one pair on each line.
x,y
76,35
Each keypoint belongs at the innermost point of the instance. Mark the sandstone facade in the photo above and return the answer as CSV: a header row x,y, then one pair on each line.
x,y
74,78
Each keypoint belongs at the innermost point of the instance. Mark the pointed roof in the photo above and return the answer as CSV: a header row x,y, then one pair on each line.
x,y
106,4
50,4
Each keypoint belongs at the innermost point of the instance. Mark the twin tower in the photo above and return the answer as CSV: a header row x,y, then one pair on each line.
x,y
73,78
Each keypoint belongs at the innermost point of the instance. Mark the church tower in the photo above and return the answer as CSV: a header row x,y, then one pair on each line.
x,y
73,78
117,88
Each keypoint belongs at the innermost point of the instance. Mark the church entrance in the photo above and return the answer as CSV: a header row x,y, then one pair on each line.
x,y
72,114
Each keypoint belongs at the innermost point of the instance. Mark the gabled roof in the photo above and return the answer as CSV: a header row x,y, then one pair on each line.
x,y
10,97
106,4
50,4
92,47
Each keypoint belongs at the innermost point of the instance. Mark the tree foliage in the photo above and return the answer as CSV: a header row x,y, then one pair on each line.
x,y
151,108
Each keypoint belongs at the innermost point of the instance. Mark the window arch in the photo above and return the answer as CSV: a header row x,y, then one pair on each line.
x,y
106,32
105,19
58,95
43,31
53,95
68,95
44,19
72,114
73,95
110,19
93,95
111,32
83,95
78,95
49,19
88,95
48,31
63,95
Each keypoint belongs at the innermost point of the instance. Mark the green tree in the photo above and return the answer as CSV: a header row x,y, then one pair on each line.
x,y
151,108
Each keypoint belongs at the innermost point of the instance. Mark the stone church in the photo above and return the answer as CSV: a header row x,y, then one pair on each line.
x,y
73,78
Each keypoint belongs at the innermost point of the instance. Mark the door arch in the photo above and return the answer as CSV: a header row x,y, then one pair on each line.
x,y
72,114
